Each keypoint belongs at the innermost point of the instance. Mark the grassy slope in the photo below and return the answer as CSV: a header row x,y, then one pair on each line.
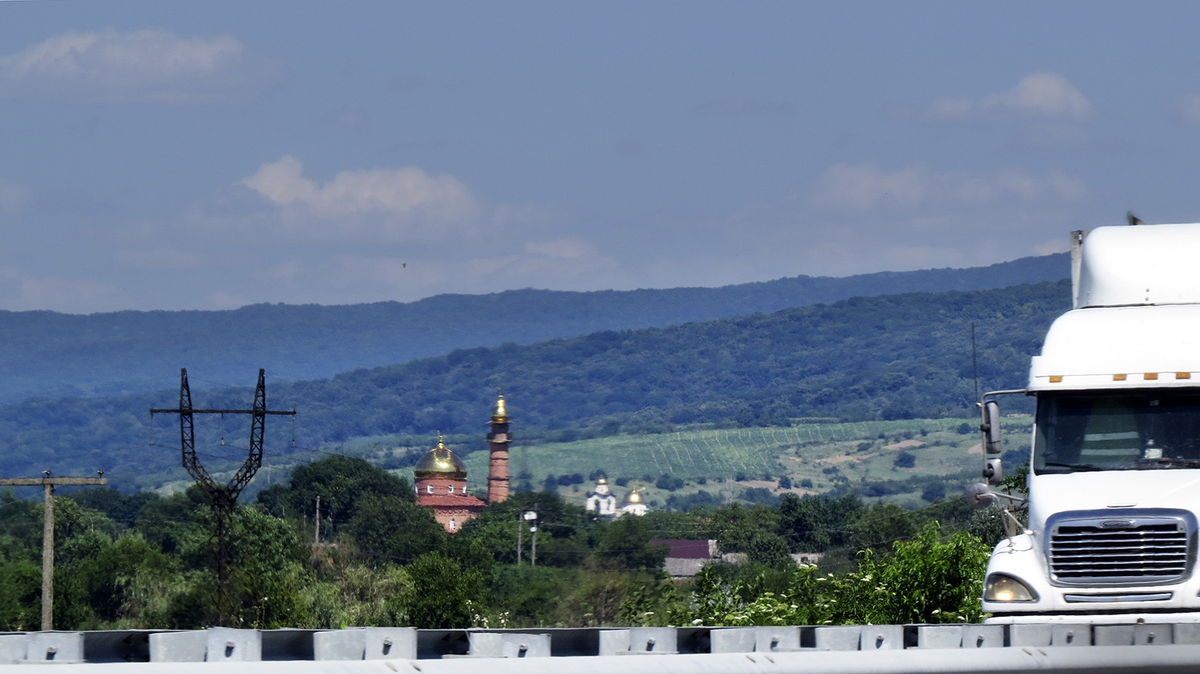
x,y
804,451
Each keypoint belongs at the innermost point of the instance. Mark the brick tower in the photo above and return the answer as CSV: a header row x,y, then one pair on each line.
x,y
498,440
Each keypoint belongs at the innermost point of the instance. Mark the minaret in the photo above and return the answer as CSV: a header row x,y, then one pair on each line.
x,y
498,440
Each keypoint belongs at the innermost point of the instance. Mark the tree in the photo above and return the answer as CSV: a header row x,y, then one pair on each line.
x,y
267,570
446,595
768,549
880,525
735,525
625,545
393,529
342,482
816,523
927,580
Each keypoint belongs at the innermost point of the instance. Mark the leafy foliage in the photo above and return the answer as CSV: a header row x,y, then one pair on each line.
x,y
383,567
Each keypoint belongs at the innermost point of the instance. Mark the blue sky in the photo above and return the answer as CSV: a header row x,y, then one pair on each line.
x,y
161,155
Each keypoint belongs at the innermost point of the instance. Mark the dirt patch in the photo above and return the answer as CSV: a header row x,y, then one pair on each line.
x,y
905,444
976,449
845,458
764,484
794,490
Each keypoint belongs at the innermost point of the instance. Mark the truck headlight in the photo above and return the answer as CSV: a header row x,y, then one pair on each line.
x,y
1005,588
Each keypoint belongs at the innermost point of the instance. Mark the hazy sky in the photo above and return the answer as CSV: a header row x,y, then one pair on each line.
x,y
171,155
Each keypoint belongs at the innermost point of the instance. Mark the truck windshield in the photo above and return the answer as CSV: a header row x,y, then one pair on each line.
x,y
1117,430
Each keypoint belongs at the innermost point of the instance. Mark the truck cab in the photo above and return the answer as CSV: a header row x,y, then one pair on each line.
x,y
1114,471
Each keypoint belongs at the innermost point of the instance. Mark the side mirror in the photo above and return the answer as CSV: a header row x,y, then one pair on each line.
x,y
990,425
993,471
993,446
980,496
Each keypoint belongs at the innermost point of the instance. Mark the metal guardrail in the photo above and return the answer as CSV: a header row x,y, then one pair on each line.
x,y
685,650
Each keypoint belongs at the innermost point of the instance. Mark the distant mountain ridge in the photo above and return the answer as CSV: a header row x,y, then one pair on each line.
x,y
56,355
886,357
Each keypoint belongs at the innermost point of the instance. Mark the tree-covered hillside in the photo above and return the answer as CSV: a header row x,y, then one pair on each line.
x,y
51,355
890,357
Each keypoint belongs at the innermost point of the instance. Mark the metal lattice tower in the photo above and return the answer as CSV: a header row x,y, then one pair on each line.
x,y
222,498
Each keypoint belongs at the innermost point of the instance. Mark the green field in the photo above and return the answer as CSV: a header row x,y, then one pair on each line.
x,y
824,454
816,457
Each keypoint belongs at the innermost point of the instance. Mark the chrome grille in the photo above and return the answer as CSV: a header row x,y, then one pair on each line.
x,y
1110,548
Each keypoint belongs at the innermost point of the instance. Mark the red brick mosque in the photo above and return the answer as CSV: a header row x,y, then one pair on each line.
x,y
441,477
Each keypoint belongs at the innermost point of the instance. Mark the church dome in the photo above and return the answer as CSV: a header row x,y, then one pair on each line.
x,y
440,462
634,496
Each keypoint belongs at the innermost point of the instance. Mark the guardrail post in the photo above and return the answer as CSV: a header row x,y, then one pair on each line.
x,y
525,646
58,647
837,638
732,640
939,636
485,644
346,644
391,643
882,637
225,644
613,642
1161,634
983,636
780,639
1038,636
653,640
1071,635
12,648
1186,633
178,646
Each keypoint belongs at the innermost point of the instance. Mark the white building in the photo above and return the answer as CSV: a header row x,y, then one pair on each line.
x,y
601,501
634,504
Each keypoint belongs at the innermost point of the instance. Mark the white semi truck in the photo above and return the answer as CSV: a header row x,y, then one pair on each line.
x,y
1114,473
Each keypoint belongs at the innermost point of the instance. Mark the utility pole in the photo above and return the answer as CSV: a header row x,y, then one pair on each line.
x,y
317,531
221,497
531,517
48,484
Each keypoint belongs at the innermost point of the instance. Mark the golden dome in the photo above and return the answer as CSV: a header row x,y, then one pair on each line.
x,y
440,462
500,415
603,481
634,496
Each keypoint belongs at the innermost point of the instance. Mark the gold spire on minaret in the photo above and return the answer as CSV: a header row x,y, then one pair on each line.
x,y
500,415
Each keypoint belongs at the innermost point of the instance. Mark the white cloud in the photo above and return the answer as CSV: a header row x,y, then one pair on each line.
x,y
1046,95
864,187
144,65
12,196
407,192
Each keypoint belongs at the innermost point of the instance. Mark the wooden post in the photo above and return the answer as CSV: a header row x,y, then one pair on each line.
x,y
48,557
47,484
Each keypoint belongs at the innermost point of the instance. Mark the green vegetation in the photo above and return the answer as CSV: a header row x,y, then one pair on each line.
x,y
57,355
142,561
883,358
812,457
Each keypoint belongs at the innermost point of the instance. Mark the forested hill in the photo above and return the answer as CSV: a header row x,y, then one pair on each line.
x,y
895,356
47,354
